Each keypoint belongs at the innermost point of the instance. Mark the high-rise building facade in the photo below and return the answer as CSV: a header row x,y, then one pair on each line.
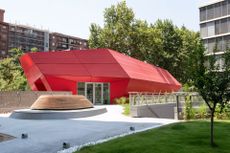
x,y
4,29
215,27
26,37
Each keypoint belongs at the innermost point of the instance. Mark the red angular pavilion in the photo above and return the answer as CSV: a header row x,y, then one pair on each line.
x,y
99,74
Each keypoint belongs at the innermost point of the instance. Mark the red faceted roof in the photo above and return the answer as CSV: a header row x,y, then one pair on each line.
x,y
94,65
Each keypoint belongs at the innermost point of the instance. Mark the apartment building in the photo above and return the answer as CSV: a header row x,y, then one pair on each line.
x,y
215,27
4,29
26,37
60,41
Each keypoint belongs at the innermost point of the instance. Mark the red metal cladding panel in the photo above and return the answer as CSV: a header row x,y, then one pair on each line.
x,y
58,84
106,70
56,61
31,70
170,79
94,54
118,89
148,86
143,71
66,69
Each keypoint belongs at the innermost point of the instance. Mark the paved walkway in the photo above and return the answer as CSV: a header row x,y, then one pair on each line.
x,y
47,136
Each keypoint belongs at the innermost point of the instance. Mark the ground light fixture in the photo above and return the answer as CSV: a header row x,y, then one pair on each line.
x,y
65,145
24,135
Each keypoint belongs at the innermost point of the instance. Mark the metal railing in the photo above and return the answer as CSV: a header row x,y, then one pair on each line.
x,y
147,98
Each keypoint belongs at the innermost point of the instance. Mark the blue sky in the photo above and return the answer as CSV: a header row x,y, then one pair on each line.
x,y
74,17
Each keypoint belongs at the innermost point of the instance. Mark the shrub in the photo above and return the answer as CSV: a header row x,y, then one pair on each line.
x,y
202,111
122,100
189,112
224,114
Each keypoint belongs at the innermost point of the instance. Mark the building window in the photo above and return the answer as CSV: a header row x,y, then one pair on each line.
x,y
203,30
12,28
203,14
3,52
81,88
106,93
210,12
205,42
211,45
219,44
217,10
224,8
217,27
227,42
228,7
211,29
224,26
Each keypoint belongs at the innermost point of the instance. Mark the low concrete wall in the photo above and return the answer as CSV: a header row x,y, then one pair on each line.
x,y
12,100
154,110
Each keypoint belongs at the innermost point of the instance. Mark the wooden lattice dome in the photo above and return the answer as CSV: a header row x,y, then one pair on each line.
x,y
61,102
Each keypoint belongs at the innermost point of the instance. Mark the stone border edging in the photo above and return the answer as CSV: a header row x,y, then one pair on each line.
x,y
77,148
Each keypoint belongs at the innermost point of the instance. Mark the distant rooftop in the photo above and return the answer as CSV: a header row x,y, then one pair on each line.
x,y
28,27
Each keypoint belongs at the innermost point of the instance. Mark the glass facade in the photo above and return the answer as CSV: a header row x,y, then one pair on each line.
x,y
215,10
215,26
106,93
96,92
221,44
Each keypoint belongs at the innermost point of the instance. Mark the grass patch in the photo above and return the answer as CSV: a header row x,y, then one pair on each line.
x,y
184,137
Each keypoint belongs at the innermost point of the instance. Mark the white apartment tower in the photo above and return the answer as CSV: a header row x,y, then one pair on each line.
x,y
215,26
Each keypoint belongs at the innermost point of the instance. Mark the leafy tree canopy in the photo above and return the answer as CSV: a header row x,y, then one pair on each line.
x,y
160,43
11,73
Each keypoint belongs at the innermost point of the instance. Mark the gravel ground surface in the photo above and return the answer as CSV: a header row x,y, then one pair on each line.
x,y
47,136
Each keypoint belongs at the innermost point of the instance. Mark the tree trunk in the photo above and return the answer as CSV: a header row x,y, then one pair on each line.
x,y
212,130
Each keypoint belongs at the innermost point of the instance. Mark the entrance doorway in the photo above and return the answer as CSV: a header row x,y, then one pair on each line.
x,y
98,93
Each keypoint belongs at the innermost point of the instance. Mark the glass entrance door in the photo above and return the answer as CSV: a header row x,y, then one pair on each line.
x,y
98,93
89,92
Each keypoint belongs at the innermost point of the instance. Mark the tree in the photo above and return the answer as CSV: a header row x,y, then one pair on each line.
x,y
116,31
11,73
212,81
190,40
162,43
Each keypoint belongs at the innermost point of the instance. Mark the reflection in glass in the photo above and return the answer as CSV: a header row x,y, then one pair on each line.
x,y
106,93
81,88
89,91
98,93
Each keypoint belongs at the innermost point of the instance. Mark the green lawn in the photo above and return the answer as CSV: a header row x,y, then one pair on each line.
x,y
184,137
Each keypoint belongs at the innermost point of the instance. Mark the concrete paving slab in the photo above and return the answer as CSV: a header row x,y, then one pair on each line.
x,y
47,136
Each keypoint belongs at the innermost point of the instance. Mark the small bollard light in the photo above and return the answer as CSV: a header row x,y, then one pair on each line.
x,y
65,145
24,136
132,128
